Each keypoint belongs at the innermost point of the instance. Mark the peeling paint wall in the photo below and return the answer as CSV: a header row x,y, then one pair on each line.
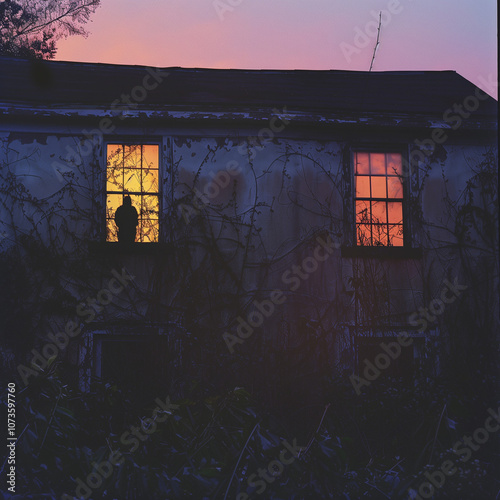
x,y
285,193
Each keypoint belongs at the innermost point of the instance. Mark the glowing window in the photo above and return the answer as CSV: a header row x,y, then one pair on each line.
x,y
133,170
378,199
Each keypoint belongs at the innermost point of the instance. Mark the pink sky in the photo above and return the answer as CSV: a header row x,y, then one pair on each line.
x,y
460,35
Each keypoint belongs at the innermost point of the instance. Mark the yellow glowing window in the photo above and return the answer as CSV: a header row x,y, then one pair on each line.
x,y
133,170
379,199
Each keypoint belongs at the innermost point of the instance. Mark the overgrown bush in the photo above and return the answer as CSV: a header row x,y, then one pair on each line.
x,y
376,445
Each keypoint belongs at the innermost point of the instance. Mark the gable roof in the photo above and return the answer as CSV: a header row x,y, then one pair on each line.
x,y
62,83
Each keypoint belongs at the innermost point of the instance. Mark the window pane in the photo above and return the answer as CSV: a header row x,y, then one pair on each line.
x,y
379,213
150,156
395,187
136,203
149,230
132,180
377,163
114,172
378,187
132,156
150,181
362,211
363,234
362,165
150,207
379,232
363,186
111,230
112,203
396,235
395,212
114,179
114,154
394,164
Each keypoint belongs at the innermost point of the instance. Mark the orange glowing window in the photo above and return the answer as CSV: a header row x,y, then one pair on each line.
x,y
133,170
379,199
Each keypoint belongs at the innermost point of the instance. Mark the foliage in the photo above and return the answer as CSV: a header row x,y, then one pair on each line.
x,y
377,446
31,28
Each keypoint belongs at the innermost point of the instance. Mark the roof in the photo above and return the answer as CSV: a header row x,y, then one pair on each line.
x,y
417,92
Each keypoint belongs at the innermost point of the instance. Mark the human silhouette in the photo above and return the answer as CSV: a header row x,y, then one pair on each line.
x,y
126,219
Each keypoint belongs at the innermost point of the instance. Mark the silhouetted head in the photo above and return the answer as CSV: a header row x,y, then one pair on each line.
x,y
127,201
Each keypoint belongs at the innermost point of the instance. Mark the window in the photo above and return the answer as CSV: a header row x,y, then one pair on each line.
x,y
378,199
138,356
136,363
132,169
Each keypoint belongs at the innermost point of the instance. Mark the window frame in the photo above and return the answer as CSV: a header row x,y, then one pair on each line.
x,y
385,149
411,248
89,352
133,140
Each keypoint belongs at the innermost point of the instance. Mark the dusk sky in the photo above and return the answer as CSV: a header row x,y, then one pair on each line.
x,y
458,35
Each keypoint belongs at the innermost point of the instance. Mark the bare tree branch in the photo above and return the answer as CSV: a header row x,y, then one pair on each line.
x,y
378,38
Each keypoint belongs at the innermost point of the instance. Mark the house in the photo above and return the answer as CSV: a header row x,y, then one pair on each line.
x,y
291,224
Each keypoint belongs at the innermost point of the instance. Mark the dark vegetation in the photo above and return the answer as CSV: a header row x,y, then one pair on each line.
x,y
376,445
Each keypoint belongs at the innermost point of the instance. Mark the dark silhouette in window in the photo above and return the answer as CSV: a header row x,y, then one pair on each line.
x,y
126,219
